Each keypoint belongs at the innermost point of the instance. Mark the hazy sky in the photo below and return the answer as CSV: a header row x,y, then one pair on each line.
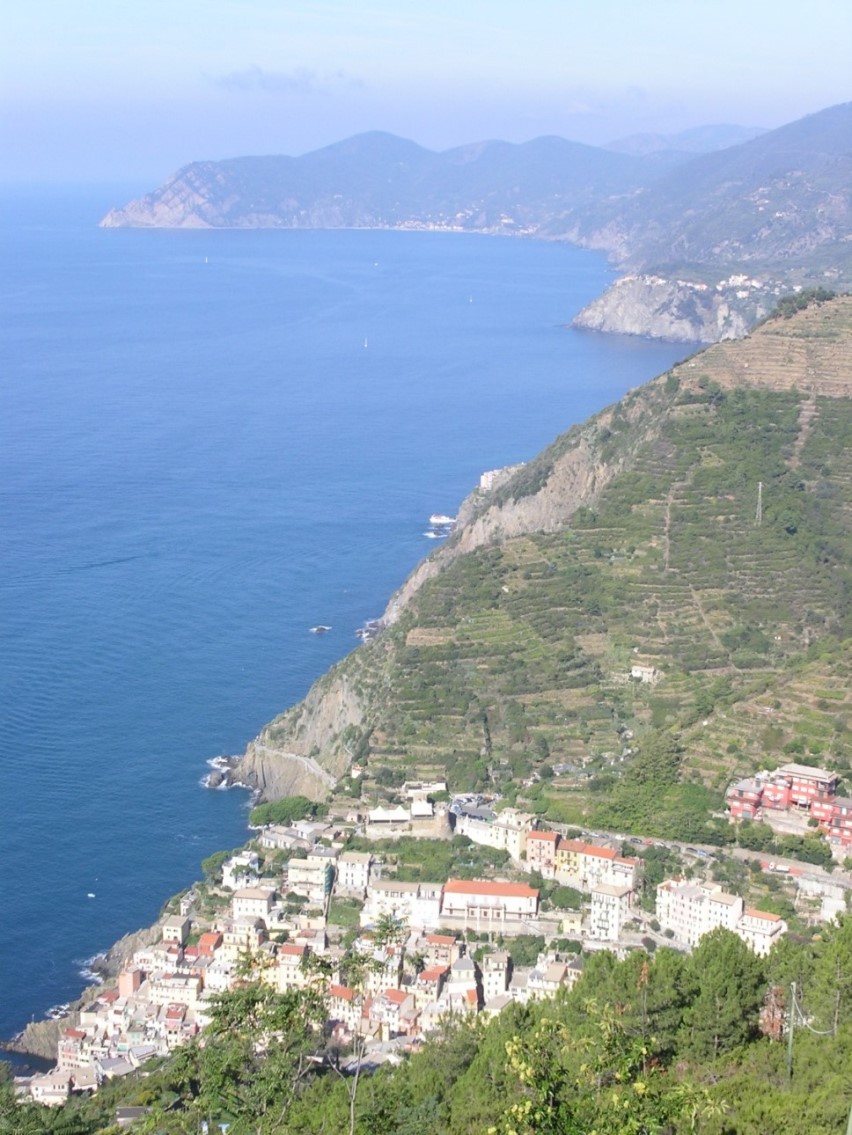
x,y
132,89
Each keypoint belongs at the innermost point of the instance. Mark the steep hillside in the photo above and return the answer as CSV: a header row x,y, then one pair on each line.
x,y
700,529
772,200
379,181
712,243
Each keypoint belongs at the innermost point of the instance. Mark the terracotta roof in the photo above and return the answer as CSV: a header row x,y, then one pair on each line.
x,y
396,995
441,939
74,1034
433,974
571,845
471,996
550,837
292,949
599,852
486,887
342,991
762,914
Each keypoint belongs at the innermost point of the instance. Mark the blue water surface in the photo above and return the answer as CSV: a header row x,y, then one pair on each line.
x,y
209,442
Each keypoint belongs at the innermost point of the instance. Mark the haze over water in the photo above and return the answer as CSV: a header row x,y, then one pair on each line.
x,y
209,442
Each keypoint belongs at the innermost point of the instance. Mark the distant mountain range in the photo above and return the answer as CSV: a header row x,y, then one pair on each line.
x,y
698,140
379,180
709,241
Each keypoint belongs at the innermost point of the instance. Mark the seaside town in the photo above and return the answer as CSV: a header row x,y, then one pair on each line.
x,y
318,904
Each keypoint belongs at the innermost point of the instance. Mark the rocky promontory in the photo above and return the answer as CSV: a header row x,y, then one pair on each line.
x,y
680,311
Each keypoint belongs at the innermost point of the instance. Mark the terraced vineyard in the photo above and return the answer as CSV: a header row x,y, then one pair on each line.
x,y
715,556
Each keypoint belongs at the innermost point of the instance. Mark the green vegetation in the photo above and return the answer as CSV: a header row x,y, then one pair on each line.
x,y
286,811
788,305
213,864
414,860
344,912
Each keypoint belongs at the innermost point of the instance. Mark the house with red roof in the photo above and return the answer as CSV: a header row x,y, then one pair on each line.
x,y
429,985
483,904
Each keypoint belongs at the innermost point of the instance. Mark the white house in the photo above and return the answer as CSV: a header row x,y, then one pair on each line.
x,y
507,831
240,870
353,872
417,905
760,930
252,902
610,910
485,905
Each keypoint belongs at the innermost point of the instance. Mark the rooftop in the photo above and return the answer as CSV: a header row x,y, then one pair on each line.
x,y
807,772
485,887
750,913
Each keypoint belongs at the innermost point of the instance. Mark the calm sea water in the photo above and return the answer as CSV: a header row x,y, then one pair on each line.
x,y
208,443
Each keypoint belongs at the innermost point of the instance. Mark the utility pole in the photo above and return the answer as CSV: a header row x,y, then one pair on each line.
x,y
758,517
791,1025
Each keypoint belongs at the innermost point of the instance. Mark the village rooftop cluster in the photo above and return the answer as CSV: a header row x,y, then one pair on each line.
x,y
451,953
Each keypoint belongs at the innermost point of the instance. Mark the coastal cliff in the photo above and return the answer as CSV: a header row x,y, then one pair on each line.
x,y
306,749
680,311
539,497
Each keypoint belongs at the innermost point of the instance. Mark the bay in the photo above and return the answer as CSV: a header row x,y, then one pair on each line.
x,y
209,442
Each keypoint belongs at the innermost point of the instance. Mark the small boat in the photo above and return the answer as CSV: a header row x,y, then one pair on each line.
x,y
90,895
320,628
438,518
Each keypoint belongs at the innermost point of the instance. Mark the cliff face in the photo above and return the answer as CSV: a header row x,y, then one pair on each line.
x,y
308,747
680,311
539,497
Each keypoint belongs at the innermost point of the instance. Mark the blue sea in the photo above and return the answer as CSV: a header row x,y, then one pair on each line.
x,y
210,442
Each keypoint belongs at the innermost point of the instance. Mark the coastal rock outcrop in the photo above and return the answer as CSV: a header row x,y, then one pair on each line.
x,y
679,311
306,749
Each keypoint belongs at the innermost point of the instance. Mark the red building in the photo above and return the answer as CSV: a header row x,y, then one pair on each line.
x,y
794,787
745,799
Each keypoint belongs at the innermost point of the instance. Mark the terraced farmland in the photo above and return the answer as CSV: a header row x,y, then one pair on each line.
x,y
715,555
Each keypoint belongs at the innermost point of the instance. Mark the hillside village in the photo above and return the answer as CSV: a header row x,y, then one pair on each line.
x,y
396,959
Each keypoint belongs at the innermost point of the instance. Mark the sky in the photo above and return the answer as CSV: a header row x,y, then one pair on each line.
x,y
129,91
